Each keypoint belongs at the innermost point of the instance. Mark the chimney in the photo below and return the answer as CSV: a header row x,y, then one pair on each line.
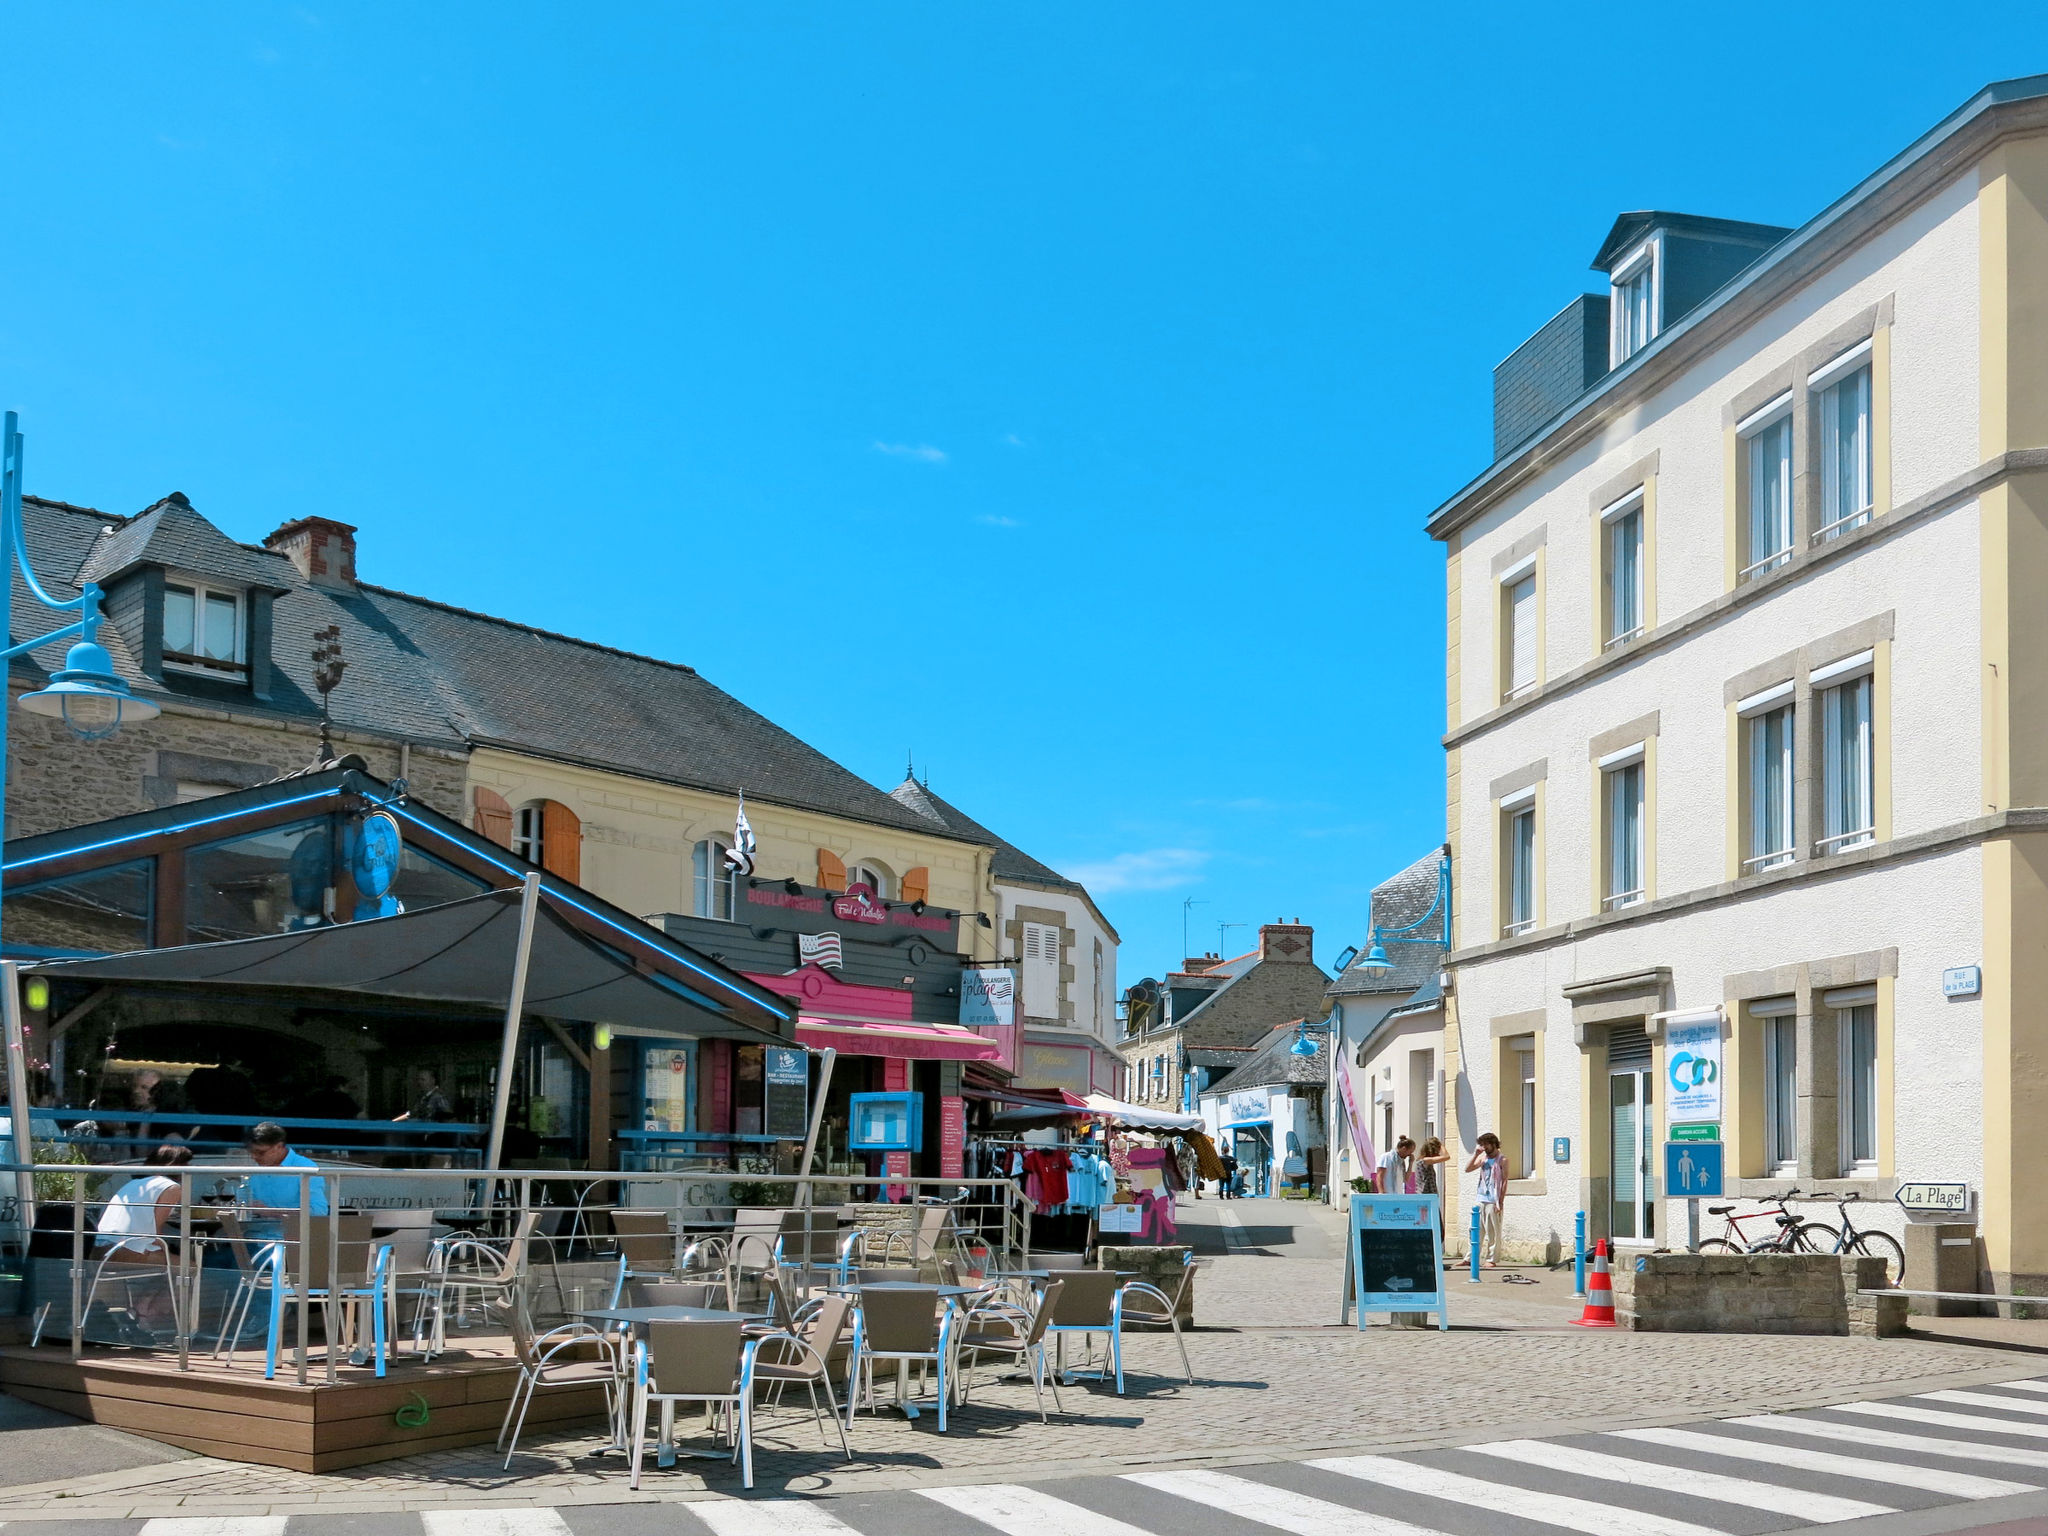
x,y
322,549
1194,965
1287,942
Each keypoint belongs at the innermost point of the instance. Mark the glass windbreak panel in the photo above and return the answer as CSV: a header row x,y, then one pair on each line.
x,y
665,1089
424,881
272,881
180,620
1845,764
1626,1153
103,912
218,643
1845,465
1859,1087
1770,495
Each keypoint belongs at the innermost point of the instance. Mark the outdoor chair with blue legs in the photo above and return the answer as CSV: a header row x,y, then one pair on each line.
x,y
1088,1305
1137,1302
904,1326
708,1362
358,1283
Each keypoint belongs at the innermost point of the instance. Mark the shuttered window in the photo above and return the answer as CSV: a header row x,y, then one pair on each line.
x,y
493,817
1041,971
1521,650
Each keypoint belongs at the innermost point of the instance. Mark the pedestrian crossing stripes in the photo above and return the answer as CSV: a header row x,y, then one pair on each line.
x,y
1817,1467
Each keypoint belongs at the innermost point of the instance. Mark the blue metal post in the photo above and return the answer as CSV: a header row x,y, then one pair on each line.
x,y
1579,1268
1475,1246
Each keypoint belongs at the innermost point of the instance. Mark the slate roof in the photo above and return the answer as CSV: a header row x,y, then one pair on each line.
x,y
1009,861
432,673
1274,1065
1419,956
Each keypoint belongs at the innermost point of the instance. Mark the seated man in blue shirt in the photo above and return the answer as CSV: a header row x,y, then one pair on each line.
x,y
270,1195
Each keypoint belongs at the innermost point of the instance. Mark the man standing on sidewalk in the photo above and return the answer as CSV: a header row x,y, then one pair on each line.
x,y
1493,1195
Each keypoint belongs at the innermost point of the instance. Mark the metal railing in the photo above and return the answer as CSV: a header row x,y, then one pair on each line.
x,y
551,1227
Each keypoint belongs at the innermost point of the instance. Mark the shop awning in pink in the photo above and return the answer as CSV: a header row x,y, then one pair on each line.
x,y
914,1042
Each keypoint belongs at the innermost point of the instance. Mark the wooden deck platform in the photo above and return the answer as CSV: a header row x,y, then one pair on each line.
x,y
233,1413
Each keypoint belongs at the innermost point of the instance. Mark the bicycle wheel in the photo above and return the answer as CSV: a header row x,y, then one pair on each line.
x,y
1716,1245
1881,1245
1811,1237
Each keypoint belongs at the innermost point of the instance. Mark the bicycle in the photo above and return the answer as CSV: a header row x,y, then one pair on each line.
x,y
1869,1244
1793,1235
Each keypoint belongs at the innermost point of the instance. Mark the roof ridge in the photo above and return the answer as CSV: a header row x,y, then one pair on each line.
x,y
534,629
72,506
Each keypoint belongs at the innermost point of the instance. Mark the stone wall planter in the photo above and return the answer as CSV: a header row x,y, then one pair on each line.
x,y
1755,1293
1155,1266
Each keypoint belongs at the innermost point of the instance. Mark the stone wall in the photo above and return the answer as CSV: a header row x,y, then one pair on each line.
x,y
1756,1293
55,780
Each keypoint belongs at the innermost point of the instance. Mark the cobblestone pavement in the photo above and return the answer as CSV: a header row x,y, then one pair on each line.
x,y
1270,1384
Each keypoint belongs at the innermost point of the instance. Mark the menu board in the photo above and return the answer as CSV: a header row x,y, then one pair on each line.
x,y
1395,1256
785,1084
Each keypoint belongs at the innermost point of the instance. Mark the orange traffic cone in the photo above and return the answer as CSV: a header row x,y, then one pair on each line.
x,y
1599,1292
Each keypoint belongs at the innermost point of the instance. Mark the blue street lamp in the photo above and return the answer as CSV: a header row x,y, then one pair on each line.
x,y
1376,953
1303,1045
84,693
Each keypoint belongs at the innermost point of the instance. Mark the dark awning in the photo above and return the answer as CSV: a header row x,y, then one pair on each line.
x,y
459,953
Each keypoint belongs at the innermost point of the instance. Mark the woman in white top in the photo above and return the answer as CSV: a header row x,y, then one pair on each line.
x,y
130,1227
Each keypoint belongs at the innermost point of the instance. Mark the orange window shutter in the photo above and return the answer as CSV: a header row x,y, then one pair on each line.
x,y
917,884
493,816
831,870
561,841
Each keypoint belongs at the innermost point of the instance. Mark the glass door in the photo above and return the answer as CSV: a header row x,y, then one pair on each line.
x,y
1632,1214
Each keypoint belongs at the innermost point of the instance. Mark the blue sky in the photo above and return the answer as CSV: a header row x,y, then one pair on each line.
x,y
1054,392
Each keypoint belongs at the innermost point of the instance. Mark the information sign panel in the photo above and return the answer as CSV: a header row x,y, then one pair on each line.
x,y
1692,1056
1695,1132
1395,1255
785,1084
1935,1199
1692,1170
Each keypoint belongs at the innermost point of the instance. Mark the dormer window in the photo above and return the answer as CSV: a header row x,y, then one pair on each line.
x,y
1638,303
204,628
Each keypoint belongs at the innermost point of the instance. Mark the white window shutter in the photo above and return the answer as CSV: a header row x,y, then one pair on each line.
x,y
1522,604
1041,971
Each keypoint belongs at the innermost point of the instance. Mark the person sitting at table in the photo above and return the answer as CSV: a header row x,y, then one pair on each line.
x,y
131,1228
270,1195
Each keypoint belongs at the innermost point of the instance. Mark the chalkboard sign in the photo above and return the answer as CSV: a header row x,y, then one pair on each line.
x,y
785,1081
1394,1256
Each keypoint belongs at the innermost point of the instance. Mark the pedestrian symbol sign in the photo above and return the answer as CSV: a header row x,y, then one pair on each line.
x,y
1692,1170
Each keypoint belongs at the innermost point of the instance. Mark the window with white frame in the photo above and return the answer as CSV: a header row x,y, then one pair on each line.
x,y
1847,777
871,875
1847,466
1518,623
1621,789
203,627
528,825
1767,723
713,880
1767,475
1635,304
1780,1027
1525,1160
1856,1030
1519,858
1622,536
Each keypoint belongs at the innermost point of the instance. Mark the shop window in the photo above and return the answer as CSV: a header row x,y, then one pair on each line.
x,y
713,882
665,1089
272,881
424,881
102,912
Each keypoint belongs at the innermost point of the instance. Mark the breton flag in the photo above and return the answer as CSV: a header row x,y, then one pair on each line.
x,y
818,949
739,858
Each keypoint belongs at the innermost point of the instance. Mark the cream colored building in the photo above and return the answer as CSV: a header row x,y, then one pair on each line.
x,y
1747,715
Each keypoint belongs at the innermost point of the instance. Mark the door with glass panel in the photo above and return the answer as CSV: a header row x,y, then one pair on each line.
x,y
1632,1212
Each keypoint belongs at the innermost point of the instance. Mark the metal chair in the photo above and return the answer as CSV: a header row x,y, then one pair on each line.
x,y
646,1239
1017,1333
904,1326
1166,1311
358,1278
477,1265
146,1251
1087,1306
812,1348
561,1357
684,1362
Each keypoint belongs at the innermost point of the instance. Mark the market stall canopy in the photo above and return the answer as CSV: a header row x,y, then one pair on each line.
x,y
460,953
1138,1117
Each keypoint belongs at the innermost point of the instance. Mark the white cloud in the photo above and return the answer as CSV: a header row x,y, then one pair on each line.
x,y
924,453
997,520
1154,869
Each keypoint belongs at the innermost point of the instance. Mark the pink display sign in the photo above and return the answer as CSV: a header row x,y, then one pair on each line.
x,y
952,1137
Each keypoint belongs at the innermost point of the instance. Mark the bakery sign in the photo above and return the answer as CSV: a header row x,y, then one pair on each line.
x,y
859,905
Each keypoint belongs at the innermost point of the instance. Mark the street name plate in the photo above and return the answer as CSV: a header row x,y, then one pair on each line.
x,y
1935,1199
1697,1131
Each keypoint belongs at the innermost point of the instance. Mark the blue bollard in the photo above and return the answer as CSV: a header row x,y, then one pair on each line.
x,y
1475,1247
1579,1269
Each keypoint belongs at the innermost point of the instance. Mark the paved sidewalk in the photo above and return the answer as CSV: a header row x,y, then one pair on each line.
x,y
1276,1379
